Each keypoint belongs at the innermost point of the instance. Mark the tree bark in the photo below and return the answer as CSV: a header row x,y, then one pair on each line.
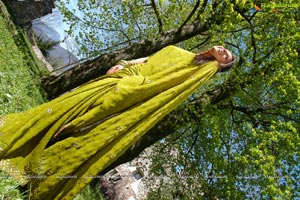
x,y
56,85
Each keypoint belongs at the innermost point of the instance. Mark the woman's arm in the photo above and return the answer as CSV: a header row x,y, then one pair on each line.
x,y
123,63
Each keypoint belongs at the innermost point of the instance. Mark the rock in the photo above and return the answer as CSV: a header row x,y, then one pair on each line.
x,y
26,10
40,56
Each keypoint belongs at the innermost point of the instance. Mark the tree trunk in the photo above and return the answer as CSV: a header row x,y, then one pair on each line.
x,y
56,85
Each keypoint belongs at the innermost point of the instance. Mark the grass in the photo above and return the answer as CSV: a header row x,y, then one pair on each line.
x,y
19,85
9,188
20,90
90,193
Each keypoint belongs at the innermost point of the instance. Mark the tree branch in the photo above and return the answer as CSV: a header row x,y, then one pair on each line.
x,y
201,9
135,21
258,61
202,43
193,144
242,13
233,45
190,15
160,25
248,113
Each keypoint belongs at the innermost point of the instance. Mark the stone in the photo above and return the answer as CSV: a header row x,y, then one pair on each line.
x,y
24,11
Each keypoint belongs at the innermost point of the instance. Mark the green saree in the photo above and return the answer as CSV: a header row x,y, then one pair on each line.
x,y
58,147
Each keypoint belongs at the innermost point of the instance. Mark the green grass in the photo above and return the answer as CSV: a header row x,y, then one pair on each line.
x,y
90,193
9,188
19,91
19,85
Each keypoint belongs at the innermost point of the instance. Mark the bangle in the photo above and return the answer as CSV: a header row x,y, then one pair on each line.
x,y
124,63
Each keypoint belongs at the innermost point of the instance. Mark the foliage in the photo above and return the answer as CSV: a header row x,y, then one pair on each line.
x,y
244,145
101,27
45,45
90,193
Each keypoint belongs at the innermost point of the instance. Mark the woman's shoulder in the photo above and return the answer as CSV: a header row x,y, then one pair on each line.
x,y
174,48
172,51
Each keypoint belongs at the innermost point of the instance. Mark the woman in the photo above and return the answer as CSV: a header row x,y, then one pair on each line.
x,y
61,145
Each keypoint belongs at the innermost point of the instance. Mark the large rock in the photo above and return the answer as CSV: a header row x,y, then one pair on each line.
x,y
26,10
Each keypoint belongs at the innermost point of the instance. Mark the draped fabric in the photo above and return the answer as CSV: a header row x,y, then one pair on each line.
x,y
60,146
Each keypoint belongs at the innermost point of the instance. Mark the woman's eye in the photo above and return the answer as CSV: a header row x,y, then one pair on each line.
x,y
226,56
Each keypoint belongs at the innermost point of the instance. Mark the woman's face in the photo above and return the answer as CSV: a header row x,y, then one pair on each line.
x,y
221,54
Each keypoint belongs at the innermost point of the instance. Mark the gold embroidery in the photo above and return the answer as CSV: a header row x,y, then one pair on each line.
x,y
10,170
49,110
2,121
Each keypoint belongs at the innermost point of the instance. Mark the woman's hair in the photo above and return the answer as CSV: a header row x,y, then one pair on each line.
x,y
205,56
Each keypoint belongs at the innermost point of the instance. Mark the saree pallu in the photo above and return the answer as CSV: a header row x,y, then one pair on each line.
x,y
58,147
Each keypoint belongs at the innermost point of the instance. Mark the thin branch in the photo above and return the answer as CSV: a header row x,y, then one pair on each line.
x,y
281,115
202,43
253,15
263,109
190,15
193,144
268,54
126,36
247,112
84,23
160,25
134,17
238,30
236,8
227,149
233,45
201,9
254,45
233,121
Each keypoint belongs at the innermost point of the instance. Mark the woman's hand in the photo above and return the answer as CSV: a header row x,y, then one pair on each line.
x,y
126,63
114,69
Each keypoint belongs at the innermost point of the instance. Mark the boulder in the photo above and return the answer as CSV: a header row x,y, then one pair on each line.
x,y
26,10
